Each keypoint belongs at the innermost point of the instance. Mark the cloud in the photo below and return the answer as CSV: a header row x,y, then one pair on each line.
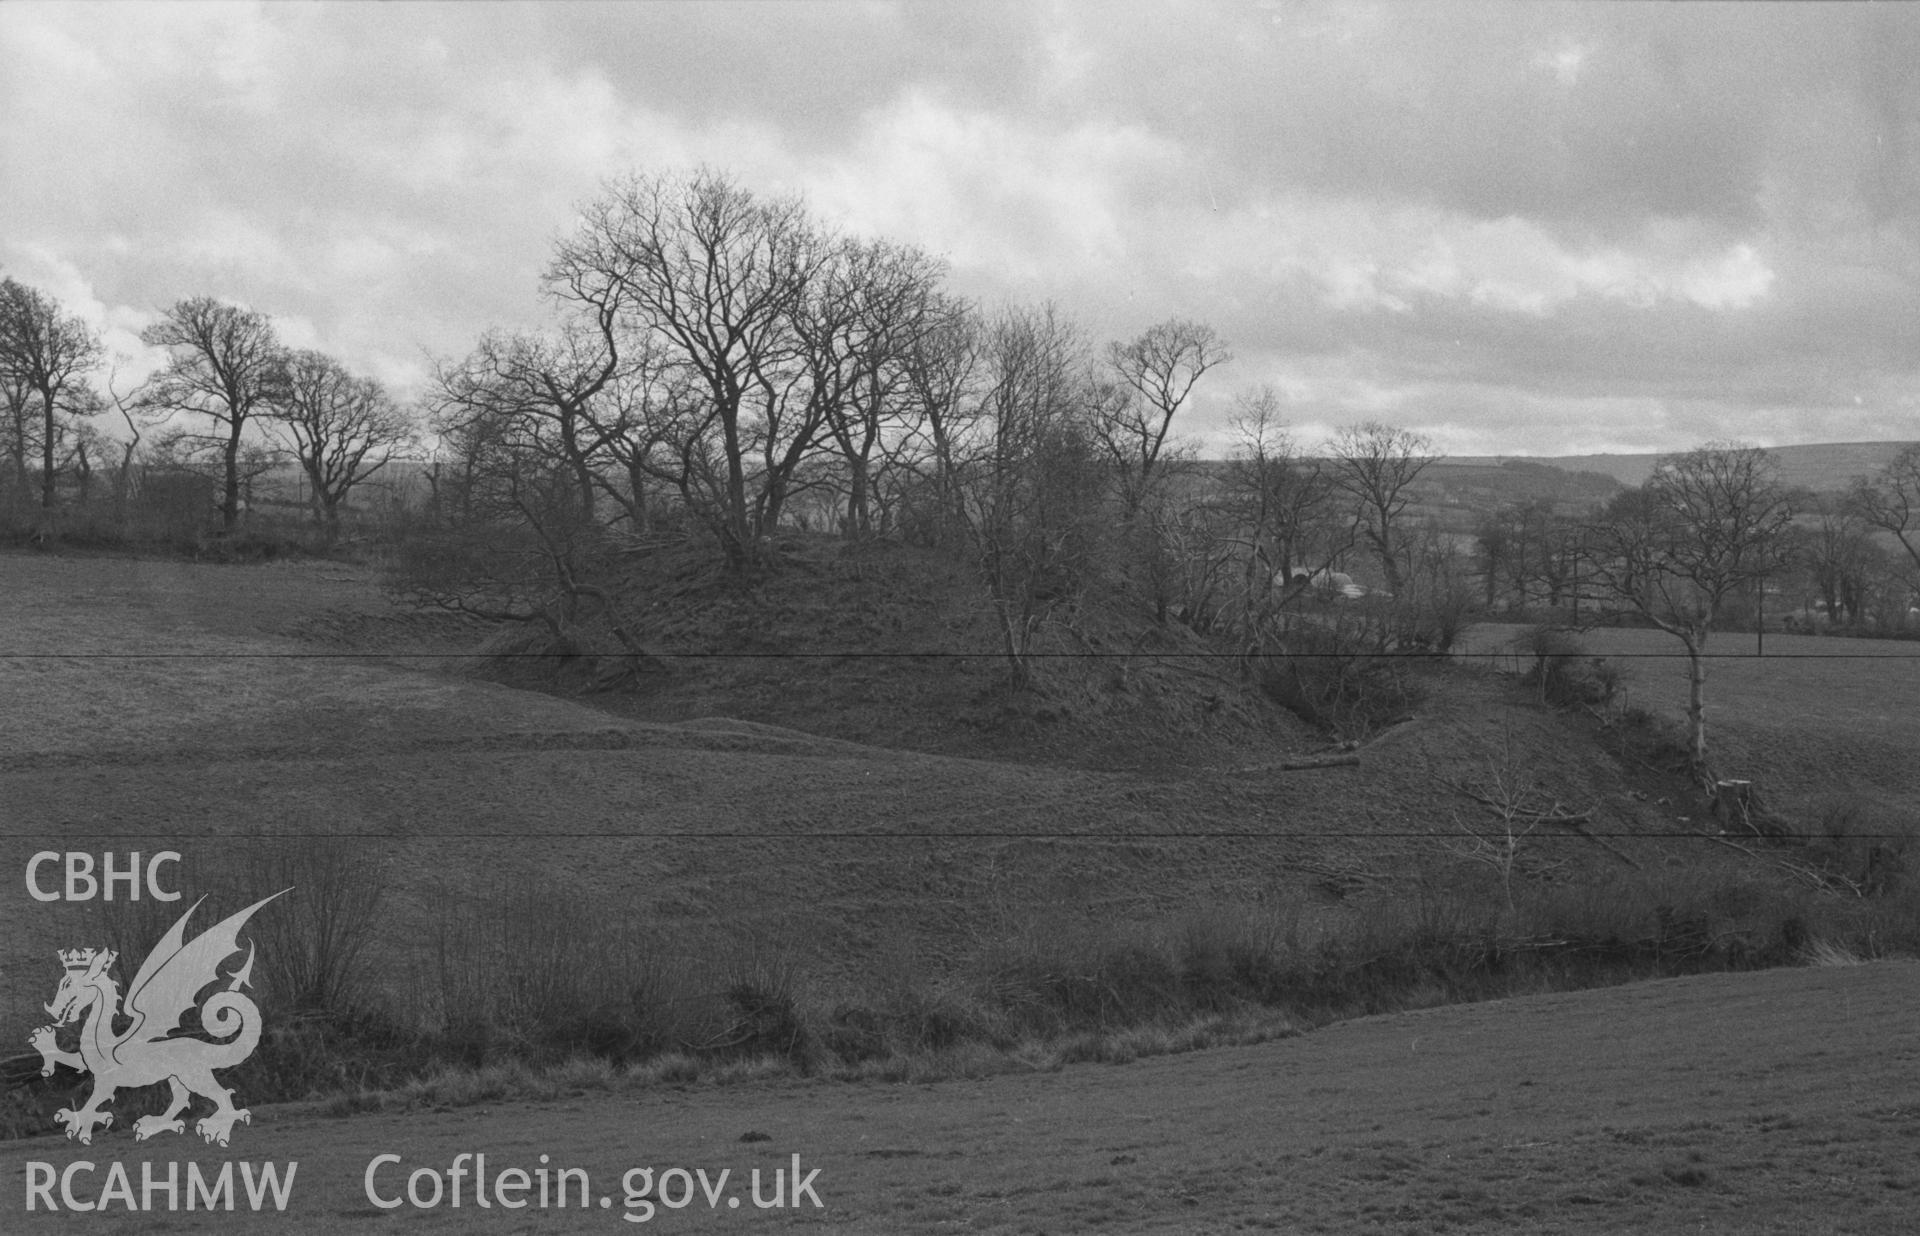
x,y
1017,201
1587,225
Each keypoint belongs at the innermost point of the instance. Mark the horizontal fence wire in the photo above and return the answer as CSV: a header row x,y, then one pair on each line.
x,y
938,654
1493,830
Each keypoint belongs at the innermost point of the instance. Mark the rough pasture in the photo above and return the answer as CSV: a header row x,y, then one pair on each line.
x,y
1775,1102
1813,716
1772,1104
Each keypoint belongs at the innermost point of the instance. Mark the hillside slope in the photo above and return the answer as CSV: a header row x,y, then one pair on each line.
x,y
188,713
1822,467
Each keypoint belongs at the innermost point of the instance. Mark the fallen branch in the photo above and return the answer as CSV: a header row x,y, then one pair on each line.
x,y
1731,845
1346,759
1343,760
1817,879
1392,728
1609,847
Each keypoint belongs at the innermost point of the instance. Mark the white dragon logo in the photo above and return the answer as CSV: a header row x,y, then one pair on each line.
x,y
143,1053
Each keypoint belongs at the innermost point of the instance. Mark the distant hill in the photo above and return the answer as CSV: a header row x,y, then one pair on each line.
x,y
1820,466
1457,490
1482,485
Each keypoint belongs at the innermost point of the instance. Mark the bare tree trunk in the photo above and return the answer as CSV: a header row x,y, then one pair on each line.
x,y
637,482
1388,565
1697,709
859,510
123,476
46,456
123,485
1019,673
230,496
773,505
739,530
20,453
316,496
577,461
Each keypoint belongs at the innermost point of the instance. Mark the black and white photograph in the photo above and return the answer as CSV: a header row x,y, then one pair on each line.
x,y
917,617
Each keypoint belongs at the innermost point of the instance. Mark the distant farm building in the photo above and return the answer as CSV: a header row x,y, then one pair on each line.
x,y
1327,583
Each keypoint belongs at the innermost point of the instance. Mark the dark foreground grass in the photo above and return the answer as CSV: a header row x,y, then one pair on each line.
x,y
548,994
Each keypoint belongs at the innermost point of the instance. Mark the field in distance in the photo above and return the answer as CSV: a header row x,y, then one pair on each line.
x,y
1804,717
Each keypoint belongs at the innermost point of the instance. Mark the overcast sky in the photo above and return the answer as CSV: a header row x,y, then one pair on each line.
x,y
1521,229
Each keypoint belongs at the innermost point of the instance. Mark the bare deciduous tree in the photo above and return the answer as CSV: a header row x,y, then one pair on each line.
x,y
1154,372
22,440
1532,546
1281,500
554,380
344,429
1511,792
714,276
1841,560
129,448
861,320
224,364
524,548
1033,484
1890,500
1708,524
942,368
48,354
1376,465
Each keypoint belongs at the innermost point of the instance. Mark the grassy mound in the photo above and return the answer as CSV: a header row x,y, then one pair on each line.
x,y
894,646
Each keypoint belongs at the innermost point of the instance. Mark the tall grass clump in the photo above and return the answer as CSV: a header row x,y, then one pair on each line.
x,y
532,989
1863,844
540,972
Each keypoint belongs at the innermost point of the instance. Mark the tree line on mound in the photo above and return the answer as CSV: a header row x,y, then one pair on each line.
x,y
721,367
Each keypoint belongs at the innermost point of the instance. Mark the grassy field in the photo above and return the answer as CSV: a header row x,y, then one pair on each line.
x,y
1771,1104
146,703
228,712
1812,718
